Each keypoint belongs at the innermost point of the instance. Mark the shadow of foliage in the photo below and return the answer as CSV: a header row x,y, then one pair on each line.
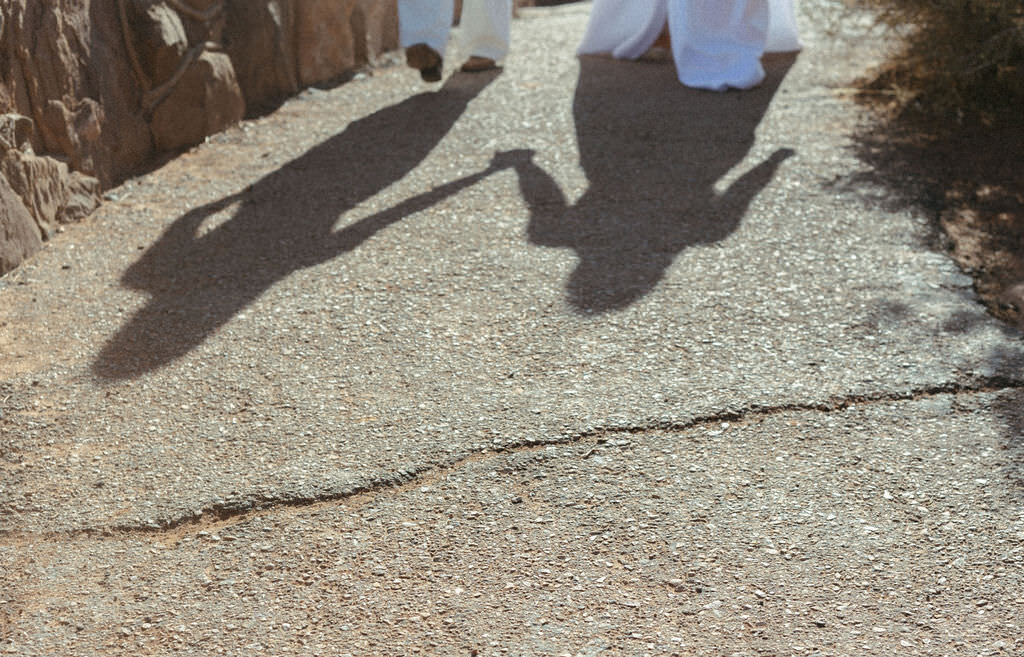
x,y
968,178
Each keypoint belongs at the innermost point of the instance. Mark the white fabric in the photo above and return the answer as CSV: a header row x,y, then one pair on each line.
x,y
716,44
782,32
425,21
485,25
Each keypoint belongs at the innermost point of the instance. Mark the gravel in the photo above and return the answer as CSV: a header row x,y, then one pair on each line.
x,y
886,528
366,375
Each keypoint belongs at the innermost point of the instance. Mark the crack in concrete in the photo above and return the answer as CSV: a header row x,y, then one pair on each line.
x,y
225,514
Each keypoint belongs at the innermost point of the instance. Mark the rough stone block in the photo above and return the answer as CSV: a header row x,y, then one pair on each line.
x,y
258,38
206,100
19,237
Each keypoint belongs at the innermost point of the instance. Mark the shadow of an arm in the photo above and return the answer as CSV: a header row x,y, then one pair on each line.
x,y
351,237
542,195
743,190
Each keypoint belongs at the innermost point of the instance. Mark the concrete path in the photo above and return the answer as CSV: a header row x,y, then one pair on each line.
x,y
564,360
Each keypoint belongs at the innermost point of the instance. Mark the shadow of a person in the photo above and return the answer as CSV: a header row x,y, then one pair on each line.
x,y
652,151
280,224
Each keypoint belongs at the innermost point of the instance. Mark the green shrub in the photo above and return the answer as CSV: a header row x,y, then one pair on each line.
x,y
961,56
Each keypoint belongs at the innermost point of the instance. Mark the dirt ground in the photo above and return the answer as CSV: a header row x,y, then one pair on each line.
x,y
970,175
984,220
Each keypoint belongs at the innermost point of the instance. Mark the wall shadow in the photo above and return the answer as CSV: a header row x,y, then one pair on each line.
x,y
652,151
280,224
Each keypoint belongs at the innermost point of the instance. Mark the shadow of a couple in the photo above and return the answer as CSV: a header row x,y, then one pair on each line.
x,y
651,149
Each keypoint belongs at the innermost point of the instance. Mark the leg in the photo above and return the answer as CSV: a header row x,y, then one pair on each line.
x,y
423,27
782,31
486,25
717,44
626,29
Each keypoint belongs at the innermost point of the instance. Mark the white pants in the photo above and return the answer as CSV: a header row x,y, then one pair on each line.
x,y
716,44
485,24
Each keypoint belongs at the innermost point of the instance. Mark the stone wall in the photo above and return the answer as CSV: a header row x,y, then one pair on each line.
x,y
92,89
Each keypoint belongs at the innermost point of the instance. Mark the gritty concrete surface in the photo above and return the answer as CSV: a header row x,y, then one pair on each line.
x,y
563,360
